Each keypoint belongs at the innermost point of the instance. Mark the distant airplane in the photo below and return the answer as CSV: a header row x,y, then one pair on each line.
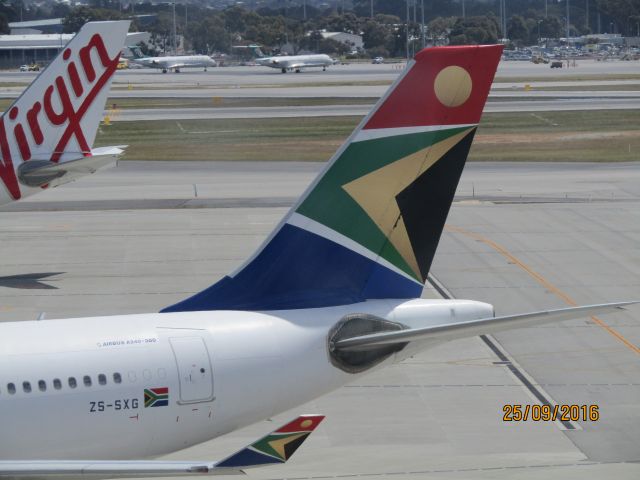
x,y
332,294
290,63
296,63
46,135
174,63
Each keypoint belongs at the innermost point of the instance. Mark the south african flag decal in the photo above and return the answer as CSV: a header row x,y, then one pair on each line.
x,y
156,397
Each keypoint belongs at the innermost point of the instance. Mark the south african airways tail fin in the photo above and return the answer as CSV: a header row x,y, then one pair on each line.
x,y
369,225
46,135
275,448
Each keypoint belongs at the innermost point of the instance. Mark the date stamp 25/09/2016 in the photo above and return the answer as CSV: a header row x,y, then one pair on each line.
x,y
550,413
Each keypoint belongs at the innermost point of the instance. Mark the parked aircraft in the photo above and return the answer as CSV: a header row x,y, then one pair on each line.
x,y
288,63
332,294
174,63
296,63
46,135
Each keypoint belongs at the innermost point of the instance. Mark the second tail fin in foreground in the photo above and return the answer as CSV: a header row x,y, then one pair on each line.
x,y
56,118
369,225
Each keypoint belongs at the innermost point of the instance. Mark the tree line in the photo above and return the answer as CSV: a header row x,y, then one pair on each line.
x,y
208,30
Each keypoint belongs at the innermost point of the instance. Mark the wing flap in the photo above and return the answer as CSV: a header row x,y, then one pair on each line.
x,y
104,469
475,327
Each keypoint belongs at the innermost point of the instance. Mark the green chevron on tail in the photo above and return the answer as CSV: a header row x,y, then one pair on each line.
x,y
369,225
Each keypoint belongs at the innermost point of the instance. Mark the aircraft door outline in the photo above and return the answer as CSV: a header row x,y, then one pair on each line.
x,y
195,372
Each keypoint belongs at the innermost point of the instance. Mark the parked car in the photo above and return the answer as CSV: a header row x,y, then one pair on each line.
x,y
556,64
378,60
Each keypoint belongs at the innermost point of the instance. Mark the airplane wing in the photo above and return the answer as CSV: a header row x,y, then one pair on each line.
x,y
471,328
273,449
36,173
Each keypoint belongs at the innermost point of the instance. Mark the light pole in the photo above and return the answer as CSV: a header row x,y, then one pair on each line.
x,y
504,18
586,15
539,22
568,30
175,35
423,31
407,31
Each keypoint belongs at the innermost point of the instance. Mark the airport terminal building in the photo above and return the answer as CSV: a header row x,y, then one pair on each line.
x,y
29,44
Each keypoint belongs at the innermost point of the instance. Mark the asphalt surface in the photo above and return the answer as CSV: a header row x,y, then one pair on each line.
x,y
138,114
575,227
256,75
143,235
356,80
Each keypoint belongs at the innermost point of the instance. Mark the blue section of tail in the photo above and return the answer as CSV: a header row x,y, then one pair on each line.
x,y
247,458
299,269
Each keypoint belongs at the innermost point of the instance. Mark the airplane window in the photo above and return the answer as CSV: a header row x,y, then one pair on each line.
x,y
26,387
117,378
146,374
86,380
162,373
72,382
11,388
102,379
57,384
132,376
42,385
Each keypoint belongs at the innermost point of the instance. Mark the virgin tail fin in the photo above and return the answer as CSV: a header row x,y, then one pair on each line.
x,y
369,225
56,118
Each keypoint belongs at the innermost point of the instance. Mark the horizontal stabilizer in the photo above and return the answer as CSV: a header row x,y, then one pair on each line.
x,y
275,448
36,173
474,327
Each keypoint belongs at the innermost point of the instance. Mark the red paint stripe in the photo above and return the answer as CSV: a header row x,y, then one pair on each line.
x,y
304,423
414,103
74,124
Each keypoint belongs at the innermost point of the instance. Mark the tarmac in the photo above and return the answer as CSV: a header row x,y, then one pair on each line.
x,y
511,105
142,235
521,236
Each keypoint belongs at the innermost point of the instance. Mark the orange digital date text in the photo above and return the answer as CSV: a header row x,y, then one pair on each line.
x,y
550,413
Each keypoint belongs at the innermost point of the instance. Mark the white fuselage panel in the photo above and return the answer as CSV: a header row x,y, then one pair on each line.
x,y
142,385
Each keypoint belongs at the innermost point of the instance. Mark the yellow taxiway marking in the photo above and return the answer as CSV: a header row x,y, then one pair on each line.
x,y
542,281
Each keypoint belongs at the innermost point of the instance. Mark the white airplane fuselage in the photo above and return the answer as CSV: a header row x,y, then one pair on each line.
x,y
296,62
176,62
223,370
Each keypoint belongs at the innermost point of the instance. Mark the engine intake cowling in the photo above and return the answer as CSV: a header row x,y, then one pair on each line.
x,y
356,325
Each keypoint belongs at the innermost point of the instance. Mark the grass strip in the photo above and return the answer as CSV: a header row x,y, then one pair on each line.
x,y
605,135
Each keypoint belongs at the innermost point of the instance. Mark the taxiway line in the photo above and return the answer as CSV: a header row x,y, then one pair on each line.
x,y
533,388
542,281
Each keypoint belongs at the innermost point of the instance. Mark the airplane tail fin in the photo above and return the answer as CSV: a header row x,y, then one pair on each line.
x,y
273,449
136,52
56,118
257,52
277,447
369,225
